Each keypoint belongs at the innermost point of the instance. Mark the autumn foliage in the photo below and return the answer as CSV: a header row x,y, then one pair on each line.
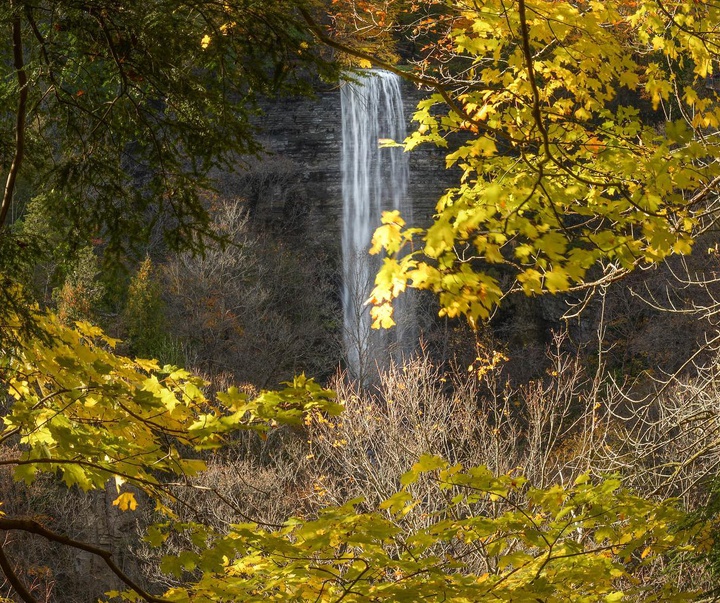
x,y
586,149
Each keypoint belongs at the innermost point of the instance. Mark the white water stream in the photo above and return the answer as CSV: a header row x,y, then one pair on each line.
x,y
374,180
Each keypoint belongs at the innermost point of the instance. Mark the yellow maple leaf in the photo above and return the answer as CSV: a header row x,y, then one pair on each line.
x,y
126,501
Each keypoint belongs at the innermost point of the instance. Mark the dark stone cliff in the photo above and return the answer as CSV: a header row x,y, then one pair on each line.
x,y
299,182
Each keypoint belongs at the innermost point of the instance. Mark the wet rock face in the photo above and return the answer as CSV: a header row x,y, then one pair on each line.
x,y
299,183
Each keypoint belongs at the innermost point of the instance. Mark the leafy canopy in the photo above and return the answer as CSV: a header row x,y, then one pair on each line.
x,y
585,134
113,113
559,173
90,415
496,540
76,409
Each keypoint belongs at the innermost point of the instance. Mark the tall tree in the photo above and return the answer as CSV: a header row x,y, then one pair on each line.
x,y
113,113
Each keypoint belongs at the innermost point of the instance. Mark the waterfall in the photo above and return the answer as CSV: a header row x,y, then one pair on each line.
x,y
374,180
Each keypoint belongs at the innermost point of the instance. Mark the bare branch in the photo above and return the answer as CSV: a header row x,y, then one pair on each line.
x,y
13,579
33,527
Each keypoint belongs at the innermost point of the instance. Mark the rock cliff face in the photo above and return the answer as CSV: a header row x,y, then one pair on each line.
x,y
299,182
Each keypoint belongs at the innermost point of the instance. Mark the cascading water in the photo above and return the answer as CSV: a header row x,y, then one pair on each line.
x,y
374,180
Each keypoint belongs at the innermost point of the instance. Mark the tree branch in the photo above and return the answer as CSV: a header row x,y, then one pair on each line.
x,y
13,579
33,527
19,64
527,52
416,79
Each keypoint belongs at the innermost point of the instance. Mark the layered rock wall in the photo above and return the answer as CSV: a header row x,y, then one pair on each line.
x,y
299,182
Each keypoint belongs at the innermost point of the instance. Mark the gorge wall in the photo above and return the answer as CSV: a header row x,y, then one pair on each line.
x,y
299,182
297,187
